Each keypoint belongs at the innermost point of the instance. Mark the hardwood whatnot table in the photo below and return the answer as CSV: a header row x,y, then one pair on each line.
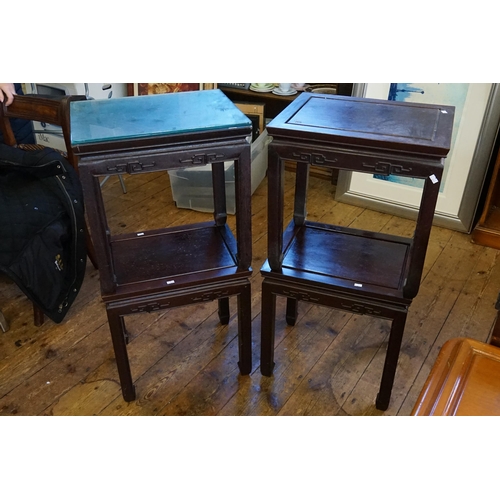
x,y
464,380
355,270
168,267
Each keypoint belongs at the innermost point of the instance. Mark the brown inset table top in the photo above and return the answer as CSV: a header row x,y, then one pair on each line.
x,y
401,126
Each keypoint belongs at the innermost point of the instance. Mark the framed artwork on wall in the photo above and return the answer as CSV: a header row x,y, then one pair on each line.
x,y
165,88
477,119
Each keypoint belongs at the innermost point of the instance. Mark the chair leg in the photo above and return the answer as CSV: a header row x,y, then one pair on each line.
x,y
3,322
224,310
245,330
495,334
38,315
391,361
90,247
268,320
122,182
119,338
292,309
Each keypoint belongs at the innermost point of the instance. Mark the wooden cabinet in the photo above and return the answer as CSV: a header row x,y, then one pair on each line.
x,y
274,104
487,230
464,381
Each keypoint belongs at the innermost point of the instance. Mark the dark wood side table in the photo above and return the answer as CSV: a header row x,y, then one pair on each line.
x,y
464,380
168,267
340,267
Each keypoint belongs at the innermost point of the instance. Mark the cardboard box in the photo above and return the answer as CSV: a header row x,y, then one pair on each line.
x,y
192,187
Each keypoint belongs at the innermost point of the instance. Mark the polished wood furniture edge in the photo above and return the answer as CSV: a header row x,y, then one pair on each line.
x,y
487,237
495,332
464,380
487,230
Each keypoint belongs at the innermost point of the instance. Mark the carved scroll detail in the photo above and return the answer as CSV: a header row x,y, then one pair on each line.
x,y
300,296
203,159
209,296
151,307
386,168
361,309
315,159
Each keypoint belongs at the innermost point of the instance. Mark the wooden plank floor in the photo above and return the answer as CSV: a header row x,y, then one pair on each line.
x,y
184,362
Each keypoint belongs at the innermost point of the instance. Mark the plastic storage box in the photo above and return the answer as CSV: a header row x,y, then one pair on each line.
x,y
192,187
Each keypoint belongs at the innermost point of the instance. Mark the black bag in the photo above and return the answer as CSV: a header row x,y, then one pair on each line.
x,y
42,238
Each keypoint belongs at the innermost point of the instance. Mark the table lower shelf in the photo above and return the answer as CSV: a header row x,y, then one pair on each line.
x,y
172,258
347,258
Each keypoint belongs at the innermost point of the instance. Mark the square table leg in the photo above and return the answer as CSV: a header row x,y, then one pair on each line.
x,y
119,338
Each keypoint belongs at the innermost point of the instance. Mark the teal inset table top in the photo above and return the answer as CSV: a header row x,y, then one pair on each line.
x,y
108,120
